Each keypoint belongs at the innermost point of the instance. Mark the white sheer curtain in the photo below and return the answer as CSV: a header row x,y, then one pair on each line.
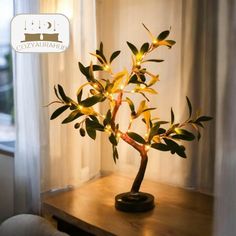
x,y
49,155
72,159
189,69
225,206
29,114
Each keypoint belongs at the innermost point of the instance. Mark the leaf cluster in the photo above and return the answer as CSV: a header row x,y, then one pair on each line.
x,y
139,80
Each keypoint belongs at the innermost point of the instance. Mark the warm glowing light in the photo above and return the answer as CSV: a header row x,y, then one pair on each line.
x,y
131,120
106,68
108,127
133,91
118,134
128,130
138,63
147,147
95,85
122,87
139,57
107,94
146,135
142,86
155,42
103,116
80,107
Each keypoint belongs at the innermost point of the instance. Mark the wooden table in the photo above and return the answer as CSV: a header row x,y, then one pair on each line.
x,y
91,208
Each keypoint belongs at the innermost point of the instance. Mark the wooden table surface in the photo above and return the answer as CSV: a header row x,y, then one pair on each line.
x,y
91,208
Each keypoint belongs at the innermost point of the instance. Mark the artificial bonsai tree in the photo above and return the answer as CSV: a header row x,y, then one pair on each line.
x,y
115,88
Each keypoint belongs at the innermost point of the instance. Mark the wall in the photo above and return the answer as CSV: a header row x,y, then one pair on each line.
x,y
6,186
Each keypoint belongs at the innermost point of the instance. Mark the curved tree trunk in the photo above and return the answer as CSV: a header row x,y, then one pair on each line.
x,y
139,177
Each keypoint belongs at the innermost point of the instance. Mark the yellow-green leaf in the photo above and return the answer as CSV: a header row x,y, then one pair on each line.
x,y
153,80
141,107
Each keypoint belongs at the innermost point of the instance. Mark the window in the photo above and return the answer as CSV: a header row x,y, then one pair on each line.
x,y
7,129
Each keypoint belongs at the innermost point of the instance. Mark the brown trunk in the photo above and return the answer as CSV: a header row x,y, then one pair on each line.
x,y
139,178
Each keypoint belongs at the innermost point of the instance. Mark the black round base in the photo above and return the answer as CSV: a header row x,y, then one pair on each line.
x,y
134,202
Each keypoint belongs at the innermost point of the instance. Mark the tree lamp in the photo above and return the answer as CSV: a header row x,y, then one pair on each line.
x,y
115,89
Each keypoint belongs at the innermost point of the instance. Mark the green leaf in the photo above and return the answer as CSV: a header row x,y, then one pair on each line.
x,y
189,107
136,137
91,133
132,48
183,134
114,55
90,130
131,105
163,35
183,137
170,43
172,116
112,139
101,47
181,151
161,122
144,48
198,135
82,132
88,102
115,153
91,75
161,131
107,119
100,53
134,80
62,94
73,115
160,146
79,96
94,118
199,124
84,70
58,111
94,124
153,131
173,146
154,60
149,109
55,90
144,96
77,125
203,119
97,67
99,59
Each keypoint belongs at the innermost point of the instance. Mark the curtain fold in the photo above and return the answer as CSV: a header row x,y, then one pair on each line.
x,y
29,114
72,159
50,155
225,194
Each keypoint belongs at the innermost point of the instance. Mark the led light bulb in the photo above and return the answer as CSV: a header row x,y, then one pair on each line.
x,y
154,42
147,147
106,68
122,87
